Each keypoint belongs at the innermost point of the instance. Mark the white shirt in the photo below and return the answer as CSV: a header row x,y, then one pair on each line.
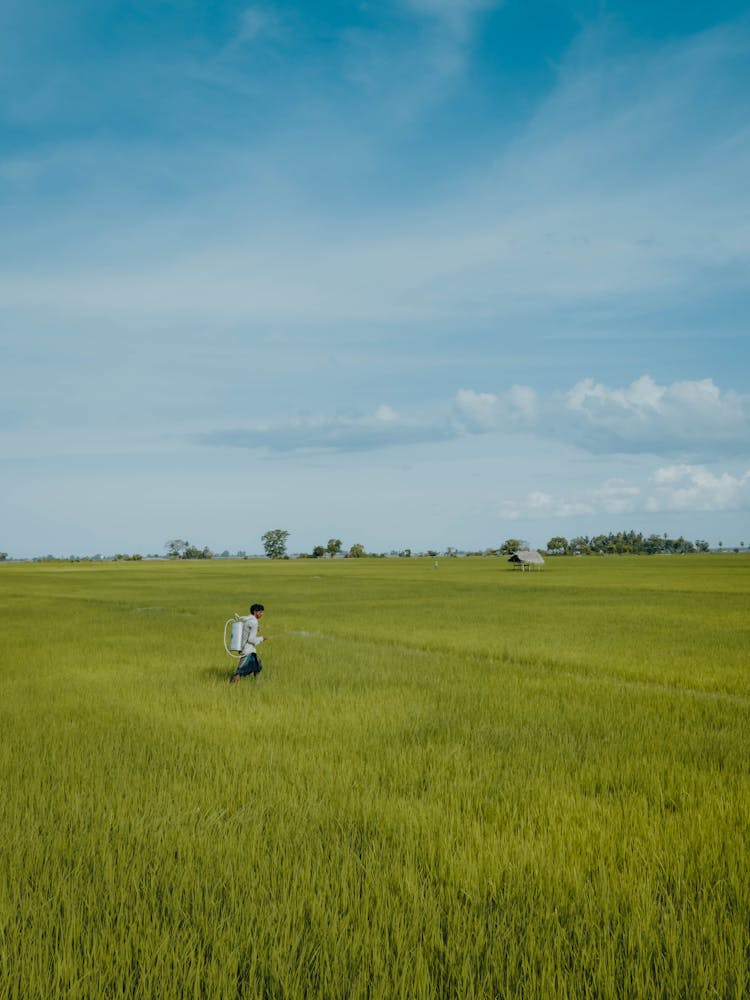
x,y
250,634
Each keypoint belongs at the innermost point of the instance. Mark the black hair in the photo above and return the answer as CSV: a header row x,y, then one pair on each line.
x,y
256,607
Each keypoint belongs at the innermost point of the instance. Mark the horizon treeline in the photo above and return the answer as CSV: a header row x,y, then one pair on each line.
x,y
627,543
613,543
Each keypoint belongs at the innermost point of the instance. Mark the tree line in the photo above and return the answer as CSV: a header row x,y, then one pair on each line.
x,y
275,547
614,543
625,543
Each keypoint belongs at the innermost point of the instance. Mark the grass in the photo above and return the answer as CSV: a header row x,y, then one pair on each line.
x,y
466,782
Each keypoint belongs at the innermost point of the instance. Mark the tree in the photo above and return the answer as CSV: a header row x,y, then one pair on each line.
x,y
557,546
3,556
511,545
652,545
193,552
318,552
334,547
356,551
274,543
179,548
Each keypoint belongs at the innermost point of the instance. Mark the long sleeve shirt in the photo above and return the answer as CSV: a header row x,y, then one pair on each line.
x,y
250,636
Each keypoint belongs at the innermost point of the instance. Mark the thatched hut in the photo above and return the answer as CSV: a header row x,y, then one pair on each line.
x,y
526,559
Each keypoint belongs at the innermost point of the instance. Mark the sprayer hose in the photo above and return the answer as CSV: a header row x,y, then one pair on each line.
x,y
230,652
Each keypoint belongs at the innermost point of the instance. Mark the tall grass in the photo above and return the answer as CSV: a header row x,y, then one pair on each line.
x,y
465,782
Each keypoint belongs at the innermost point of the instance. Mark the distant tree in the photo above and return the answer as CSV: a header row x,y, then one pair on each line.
x,y
193,552
334,546
451,552
432,553
176,548
652,545
557,546
356,551
225,554
511,545
274,543
683,545
3,556
241,554
318,552
702,545
405,553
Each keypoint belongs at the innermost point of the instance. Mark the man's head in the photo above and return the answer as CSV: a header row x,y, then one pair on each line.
x,y
257,610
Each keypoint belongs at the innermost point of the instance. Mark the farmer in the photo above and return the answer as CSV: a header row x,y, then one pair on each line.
x,y
249,664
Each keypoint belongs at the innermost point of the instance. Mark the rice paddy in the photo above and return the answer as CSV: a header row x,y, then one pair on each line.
x,y
461,781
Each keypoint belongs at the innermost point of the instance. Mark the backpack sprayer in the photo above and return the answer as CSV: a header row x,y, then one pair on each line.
x,y
236,626
234,646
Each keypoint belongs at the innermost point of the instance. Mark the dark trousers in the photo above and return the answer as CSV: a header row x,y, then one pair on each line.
x,y
249,665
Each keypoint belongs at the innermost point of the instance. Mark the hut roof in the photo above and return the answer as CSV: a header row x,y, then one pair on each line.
x,y
527,556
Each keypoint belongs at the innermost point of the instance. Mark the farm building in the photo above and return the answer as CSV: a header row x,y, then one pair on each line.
x,y
527,559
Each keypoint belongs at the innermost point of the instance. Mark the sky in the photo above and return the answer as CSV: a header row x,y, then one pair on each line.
x,y
413,273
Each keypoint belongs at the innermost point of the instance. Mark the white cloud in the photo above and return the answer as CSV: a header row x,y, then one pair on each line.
x,y
386,414
478,412
693,487
643,418
668,488
691,417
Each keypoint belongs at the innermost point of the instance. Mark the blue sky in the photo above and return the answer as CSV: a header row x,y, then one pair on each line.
x,y
418,273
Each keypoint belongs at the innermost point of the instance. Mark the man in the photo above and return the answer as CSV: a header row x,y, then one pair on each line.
x,y
249,664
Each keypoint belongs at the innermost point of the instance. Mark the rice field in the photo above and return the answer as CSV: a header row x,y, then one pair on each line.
x,y
457,782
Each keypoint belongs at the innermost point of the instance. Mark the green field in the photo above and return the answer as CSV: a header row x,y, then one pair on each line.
x,y
462,782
